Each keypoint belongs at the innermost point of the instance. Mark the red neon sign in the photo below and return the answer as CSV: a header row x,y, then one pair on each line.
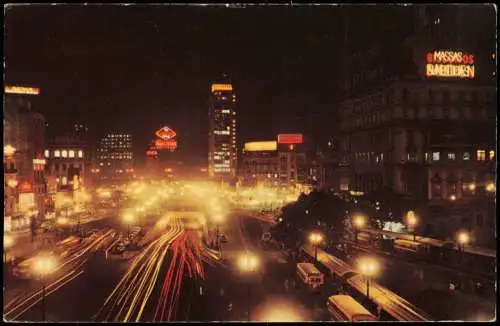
x,y
25,186
290,139
166,144
165,133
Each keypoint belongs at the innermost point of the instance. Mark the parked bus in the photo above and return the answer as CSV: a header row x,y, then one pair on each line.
x,y
344,308
310,275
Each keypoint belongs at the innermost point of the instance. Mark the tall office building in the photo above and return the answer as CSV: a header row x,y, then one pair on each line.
x,y
23,160
222,152
115,157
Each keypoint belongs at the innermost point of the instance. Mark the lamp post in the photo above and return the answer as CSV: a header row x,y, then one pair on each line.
x,y
248,264
359,222
8,241
368,267
315,238
129,219
44,265
463,239
412,222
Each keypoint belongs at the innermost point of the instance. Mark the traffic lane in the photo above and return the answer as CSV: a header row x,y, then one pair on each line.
x,y
82,297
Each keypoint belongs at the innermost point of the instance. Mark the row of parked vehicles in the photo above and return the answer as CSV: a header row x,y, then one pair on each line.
x,y
341,307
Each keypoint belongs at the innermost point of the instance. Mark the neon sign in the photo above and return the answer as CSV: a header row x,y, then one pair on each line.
x,y
222,87
259,146
165,133
290,139
450,64
22,90
166,144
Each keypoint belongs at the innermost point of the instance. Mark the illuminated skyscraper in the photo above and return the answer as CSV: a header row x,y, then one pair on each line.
x,y
115,157
222,155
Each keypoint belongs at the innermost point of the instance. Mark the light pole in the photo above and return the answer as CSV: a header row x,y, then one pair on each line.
x,y
463,239
248,264
411,218
368,267
44,265
8,241
359,222
129,219
315,238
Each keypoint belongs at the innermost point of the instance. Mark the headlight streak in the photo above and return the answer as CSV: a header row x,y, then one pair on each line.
x,y
75,260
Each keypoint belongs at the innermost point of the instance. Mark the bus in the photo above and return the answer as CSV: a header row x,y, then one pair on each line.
x,y
344,308
409,246
310,275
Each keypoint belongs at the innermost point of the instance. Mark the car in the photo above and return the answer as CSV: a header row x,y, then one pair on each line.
x,y
118,249
266,236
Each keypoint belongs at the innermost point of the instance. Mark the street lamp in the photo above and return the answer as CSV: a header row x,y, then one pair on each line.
x,y
490,187
315,238
129,219
8,241
359,222
368,266
248,263
463,239
44,265
411,218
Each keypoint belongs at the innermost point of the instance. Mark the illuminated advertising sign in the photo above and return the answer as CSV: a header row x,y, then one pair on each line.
x,y
450,64
222,87
152,153
166,144
259,146
290,139
22,90
165,133
25,187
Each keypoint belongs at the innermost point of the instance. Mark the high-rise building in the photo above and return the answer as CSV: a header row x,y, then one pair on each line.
x,y
24,132
222,150
115,158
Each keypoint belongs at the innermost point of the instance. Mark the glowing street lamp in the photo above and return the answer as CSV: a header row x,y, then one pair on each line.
x,y
490,187
315,238
129,219
8,150
44,265
8,241
358,222
368,266
248,263
412,221
463,239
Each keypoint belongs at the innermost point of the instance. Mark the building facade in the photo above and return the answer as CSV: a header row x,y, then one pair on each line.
x,y
114,160
24,132
222,148
423,124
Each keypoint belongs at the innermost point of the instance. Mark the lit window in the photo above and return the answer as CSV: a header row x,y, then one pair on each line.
x,y
64,180
101,164
46,153
80,153
435,156
451,156
481,155
64,153
71,153
57,153
492,155
466,156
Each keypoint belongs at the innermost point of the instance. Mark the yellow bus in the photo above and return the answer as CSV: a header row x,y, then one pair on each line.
x,y
310,275
344,308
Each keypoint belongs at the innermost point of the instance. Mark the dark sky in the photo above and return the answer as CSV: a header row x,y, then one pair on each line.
x,y
142,67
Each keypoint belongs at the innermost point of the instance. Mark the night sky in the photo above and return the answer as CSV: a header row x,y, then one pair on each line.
x,y
142,67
